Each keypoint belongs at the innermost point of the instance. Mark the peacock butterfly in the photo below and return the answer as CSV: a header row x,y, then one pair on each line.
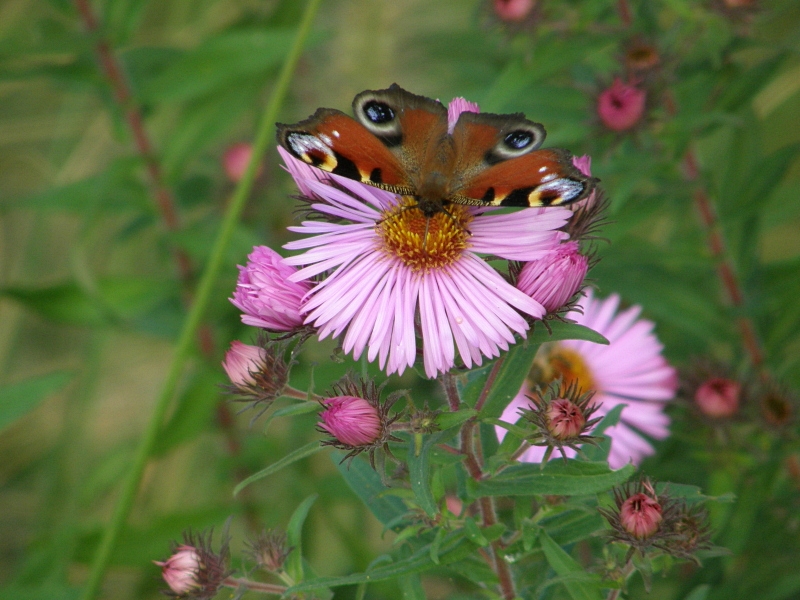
x,y
400,142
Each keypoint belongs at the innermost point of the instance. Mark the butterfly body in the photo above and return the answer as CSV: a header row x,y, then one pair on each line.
x,y
403,143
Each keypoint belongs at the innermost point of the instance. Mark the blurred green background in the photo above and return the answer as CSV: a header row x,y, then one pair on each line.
x,y
93,294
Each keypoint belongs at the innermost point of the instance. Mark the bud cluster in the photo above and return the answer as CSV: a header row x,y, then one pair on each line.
x,y
644,519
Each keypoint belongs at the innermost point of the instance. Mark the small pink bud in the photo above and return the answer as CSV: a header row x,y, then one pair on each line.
x,y
621,106
241,361
555,278
454,504
565,419
513,11
265,293
640,515
236,159
718,397
351,420
180,570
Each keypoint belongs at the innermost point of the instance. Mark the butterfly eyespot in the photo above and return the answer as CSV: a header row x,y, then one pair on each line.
x,y
518,140
378,112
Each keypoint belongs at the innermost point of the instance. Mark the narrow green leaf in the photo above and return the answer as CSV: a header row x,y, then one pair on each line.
x,y
411,587
367,485
447,420
473,532
22,397
294,456
575,478
294,537
701,593
563,564
453,548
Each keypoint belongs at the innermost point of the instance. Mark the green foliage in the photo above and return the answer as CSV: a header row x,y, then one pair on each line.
x,y
113,137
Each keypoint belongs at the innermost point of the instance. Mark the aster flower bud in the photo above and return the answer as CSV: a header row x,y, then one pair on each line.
x,y
718,397
513,11
553,280
194,570
351,420
561,415
180,570
354,415
621,106
265,294
644,519
269,550
640,515
258,374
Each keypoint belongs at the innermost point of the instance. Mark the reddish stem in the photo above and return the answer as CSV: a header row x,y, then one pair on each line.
x,y
489,383
725,270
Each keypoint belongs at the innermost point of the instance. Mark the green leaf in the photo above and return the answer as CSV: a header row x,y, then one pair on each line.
x,y
570,526
367,485
574,478
447,420
453,548
563,564
743,87
419,470
220,61
22,397
194,411
411,588
700,593
294,538
294,456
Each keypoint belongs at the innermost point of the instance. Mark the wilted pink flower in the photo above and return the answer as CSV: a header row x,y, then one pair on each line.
x,y
630,371
266,293
513,10
181,569
236,159
351,420
385,265
718,397
621,106
640,515
555,278
583,164
241,361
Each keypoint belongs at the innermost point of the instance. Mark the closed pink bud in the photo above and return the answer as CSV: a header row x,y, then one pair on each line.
x,y
718,397
513,10
621,106
180,570
640,515
265,294
555,278
241,361
351,420
583,164
565,419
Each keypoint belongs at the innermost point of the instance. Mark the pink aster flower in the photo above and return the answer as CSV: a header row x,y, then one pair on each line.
x,y
389,273
266,294
621,106
554,279
630,371
236,159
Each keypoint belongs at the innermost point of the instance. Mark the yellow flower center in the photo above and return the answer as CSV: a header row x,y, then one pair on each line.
x,y
424,243
559,362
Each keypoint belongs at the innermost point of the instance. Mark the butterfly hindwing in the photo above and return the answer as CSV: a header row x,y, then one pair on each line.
x,y
500,164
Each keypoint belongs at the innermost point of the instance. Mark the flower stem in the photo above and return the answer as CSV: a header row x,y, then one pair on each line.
x,y
627,571
489,383
453,399
254,586
198,308
725,270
